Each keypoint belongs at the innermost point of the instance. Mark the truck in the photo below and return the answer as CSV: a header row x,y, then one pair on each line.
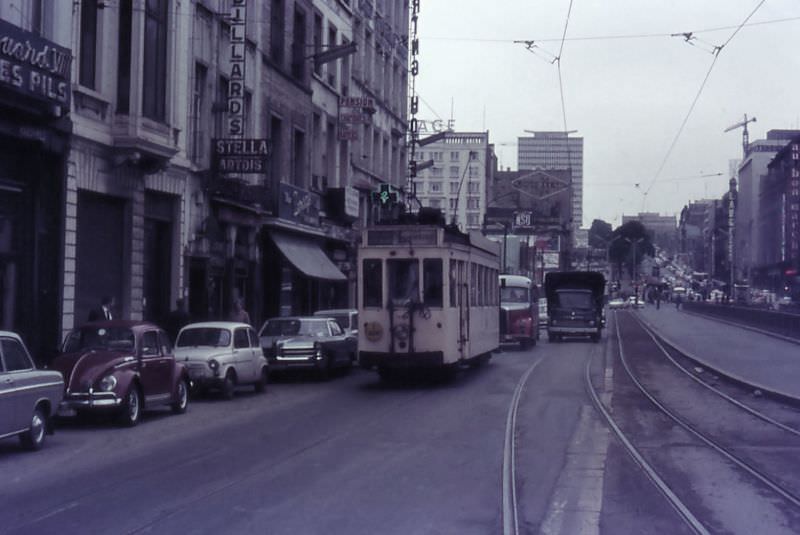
x,y
575,302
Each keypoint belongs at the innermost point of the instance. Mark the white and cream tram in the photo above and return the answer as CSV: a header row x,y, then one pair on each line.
x,y
428,298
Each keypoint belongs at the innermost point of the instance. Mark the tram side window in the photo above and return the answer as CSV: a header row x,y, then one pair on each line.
x,y
453,283
373,283
403,280
432,282
473,285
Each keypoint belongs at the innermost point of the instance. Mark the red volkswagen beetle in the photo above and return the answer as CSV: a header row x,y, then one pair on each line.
x,y
122,367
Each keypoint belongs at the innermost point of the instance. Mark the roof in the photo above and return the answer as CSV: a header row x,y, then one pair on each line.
x,y
217,325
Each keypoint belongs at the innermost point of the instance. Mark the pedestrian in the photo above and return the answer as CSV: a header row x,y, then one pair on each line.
x,y
678,300
239,313
104,312
177,319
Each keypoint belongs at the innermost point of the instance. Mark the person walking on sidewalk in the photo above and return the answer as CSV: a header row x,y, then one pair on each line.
x,y
678,299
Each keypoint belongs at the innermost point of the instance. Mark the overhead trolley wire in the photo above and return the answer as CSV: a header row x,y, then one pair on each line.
x,y
717,51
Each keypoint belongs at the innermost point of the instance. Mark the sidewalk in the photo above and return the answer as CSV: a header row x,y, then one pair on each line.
x,y
764,362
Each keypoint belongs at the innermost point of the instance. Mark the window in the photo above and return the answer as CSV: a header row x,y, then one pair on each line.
x,y
335,329
473,203
372,285
473,285
276,136
299,45
124,56
88,46
454,173
150,343
333,65
254,341
435,187
436,156
453,283
299,158
241,339
154,79
473,220
473,171
474,187
221,107
453,204
198,107
277,29
432,282
437,172
15,356
166,345
403,280
317,41
455,156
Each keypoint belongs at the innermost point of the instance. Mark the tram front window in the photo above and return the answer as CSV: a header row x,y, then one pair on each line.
x,y
373,283
403,280
432,281
513,295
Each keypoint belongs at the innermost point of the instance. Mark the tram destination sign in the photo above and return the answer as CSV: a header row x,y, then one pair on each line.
x,y
243,156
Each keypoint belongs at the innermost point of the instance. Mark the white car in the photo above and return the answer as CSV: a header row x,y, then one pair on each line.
x,y
222,355
617,303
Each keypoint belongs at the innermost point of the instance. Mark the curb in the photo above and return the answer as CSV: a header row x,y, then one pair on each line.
x,y
767,391
744,326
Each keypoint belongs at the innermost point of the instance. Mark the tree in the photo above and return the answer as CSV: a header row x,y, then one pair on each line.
x,y
621,250
600,234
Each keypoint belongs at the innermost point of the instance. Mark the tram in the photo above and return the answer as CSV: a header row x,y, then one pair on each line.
x,y
428,298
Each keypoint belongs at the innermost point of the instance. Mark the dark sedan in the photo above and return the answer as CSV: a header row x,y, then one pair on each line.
x,y
122,367
307,343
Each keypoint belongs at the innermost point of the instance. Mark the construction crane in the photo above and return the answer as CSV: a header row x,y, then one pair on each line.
x,y
745,134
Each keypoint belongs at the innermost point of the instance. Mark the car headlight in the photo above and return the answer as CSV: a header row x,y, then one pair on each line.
x,y
108,383
214,365
317,351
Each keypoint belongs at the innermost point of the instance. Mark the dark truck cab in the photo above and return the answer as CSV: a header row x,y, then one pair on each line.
x,y
574,304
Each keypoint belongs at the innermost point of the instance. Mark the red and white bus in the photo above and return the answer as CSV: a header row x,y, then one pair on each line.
x,y
519,311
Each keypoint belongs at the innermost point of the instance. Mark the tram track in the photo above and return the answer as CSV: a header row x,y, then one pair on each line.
x,y
731,456
510,508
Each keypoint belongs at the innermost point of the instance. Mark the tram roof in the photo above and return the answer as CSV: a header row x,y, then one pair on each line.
x,y
426,235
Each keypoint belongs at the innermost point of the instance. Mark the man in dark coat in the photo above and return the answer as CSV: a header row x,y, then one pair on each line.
x,y
104,312
177,319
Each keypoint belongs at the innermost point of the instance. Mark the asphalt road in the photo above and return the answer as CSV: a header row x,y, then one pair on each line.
x,y
351,455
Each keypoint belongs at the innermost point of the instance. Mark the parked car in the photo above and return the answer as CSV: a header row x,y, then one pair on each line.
x,y
122,367
617,303
345,317
222,355
28,397
307,343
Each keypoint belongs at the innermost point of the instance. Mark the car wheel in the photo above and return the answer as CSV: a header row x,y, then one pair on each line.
x,y
131,407
229,385
261,384
181,397
33,438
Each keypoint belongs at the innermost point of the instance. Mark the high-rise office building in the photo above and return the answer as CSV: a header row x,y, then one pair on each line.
x,y
555,150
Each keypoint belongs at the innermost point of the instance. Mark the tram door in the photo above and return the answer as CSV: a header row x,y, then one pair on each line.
x,y
463,307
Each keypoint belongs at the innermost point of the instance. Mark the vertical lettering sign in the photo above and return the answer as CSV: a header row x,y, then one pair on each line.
x,y
414,104
238,52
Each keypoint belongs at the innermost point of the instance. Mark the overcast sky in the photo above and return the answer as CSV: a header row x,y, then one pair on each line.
x,y
627,97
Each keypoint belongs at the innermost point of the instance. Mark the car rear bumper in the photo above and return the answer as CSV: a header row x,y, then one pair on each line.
x,y
573,330
422,359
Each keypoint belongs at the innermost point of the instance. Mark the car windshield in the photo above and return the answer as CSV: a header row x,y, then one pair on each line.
x,y
295,327
112,338
574,299
513,295
205,336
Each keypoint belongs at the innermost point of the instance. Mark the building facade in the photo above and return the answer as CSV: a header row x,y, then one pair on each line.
x,y
556,151
458,182
121,177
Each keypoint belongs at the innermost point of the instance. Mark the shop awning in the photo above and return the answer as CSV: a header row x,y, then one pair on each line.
x,y
306,256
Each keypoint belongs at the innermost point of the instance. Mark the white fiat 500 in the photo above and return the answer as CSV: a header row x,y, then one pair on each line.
x,y
222,355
